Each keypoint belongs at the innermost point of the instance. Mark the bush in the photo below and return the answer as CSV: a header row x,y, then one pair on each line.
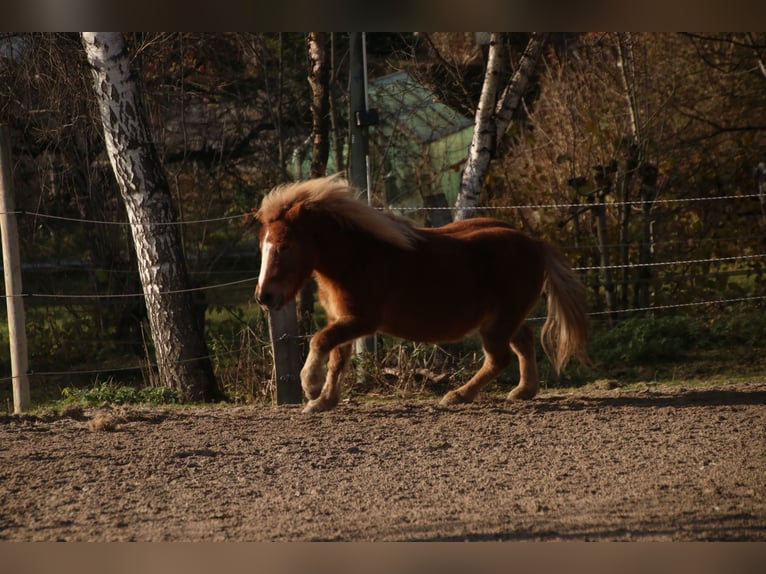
x,y
746,330
647,339
111,392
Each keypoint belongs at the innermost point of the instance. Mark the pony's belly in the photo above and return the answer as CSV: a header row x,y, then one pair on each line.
x,y
421,329
434,313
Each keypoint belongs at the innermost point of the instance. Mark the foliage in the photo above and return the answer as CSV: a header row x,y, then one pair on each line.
x,y
116,394
642,340
665,347
699,105
745,330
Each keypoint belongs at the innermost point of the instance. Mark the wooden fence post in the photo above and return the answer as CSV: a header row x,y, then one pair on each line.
x,y
283,328
12,271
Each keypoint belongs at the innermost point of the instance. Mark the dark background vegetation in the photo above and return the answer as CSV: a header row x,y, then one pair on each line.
x,y
228,109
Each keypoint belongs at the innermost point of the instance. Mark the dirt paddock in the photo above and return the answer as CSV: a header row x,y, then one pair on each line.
x,y
659,464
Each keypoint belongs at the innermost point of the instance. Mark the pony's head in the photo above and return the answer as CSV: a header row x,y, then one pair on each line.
x,y
287,261
290,216
288,254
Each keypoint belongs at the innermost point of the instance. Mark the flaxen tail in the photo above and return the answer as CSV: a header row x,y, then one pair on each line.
x,y
565,332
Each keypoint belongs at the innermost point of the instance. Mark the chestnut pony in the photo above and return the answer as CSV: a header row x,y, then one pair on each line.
x,y
378,273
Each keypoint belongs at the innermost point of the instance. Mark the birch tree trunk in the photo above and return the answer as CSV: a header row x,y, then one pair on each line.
x,y
493,117
514,91
181,353
626,70
483,141
637,163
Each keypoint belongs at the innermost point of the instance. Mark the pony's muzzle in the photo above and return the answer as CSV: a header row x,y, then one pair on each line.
x,y
269,299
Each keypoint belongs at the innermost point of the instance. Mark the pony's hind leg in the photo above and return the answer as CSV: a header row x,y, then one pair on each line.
x,y
497,356
329,395
523,344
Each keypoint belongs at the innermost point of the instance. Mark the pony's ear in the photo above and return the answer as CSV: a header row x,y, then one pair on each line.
x,y
298,211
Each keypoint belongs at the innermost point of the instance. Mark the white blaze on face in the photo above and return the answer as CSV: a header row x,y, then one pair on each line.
x,y
267,251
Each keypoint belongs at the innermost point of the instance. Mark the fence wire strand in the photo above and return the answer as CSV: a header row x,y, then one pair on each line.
x,y
251,279
666,263
576,205
128,223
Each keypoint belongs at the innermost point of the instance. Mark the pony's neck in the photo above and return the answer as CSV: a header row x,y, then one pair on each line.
x,y
338,249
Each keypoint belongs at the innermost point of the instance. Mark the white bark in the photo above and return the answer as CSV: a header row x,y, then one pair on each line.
x,y
628,78
482,144
493,117
179,344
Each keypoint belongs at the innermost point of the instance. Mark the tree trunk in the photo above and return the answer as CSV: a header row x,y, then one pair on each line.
x,y
626,64
333,111
648,173
319,82
625,213
626,68
182,358
484,133
638,163
493,116
604,180
759,178
514,91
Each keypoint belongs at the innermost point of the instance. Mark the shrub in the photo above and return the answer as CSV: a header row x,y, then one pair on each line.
x,y
647,339
113,393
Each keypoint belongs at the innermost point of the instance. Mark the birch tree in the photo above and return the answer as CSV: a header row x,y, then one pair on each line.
x,y
493,116
182,358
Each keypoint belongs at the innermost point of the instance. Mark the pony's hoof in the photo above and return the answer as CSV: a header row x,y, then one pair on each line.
x,y
311,390
521,394
452,398
317,406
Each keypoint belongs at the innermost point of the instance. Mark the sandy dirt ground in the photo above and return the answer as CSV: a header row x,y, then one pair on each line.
x,y
655,464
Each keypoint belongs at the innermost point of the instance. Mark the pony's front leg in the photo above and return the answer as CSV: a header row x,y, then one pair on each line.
x,y
333,342
329,394
312,374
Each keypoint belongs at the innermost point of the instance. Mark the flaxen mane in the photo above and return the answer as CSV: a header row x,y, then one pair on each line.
x,y
334,196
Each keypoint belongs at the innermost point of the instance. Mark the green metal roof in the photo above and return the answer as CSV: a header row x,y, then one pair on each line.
x,y
408,105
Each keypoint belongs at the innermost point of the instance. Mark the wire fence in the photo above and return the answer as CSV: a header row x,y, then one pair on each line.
x,y
577,205
249,214
596,314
